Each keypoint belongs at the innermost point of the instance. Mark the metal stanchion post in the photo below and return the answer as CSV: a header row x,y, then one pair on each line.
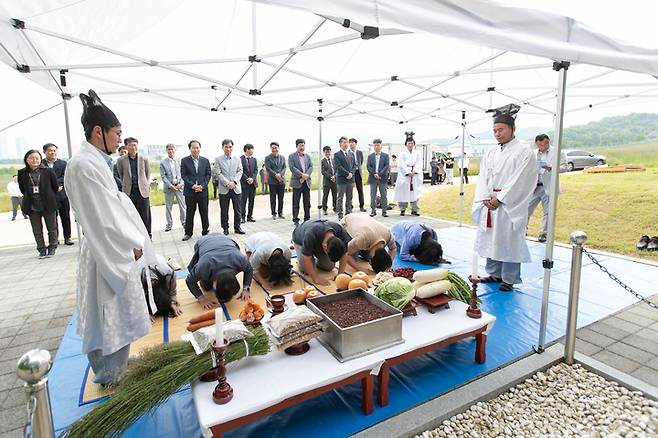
x,y
578,239
33,368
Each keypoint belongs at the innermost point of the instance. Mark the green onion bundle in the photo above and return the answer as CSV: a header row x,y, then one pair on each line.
x,y
153,378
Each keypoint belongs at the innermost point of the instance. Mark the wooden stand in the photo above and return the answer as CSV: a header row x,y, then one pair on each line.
x,y
298,349
437,302
409,310
473,311
223,392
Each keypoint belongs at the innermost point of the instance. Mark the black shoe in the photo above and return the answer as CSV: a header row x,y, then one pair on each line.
x,y
415,213
68,242
541,238
281,216
402,213
42,254
340,216
167,229
186,237
13,219
362,209
226,231
384,214
237,231
373,213
273,217
324,212
51,252
203,233
251,219
653,244
243,221
642,243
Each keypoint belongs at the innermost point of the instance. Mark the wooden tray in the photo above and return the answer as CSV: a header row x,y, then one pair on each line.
x,y
437,302
409,309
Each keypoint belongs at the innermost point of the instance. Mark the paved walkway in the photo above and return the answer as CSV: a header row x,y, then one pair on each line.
x,y
39,298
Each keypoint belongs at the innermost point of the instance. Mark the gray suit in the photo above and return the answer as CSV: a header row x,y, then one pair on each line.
x,y
299,189
171,175
229,170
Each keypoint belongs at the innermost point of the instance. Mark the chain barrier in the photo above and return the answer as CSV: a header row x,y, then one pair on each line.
x,y
31,407
614,278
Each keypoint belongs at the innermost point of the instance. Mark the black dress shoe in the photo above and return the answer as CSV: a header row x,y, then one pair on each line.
x,y
402,213
167,229
203,233
653,244
362,209
226,231
384,214
237,231
373,214
68,242
251,219
415,213
186,237
281,216
642,243
243,221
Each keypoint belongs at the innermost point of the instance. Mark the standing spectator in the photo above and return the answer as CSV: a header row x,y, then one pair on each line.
x,y
195,171
345,163
301,169
115,171
328,179
410,177
275,166
545,163
248,182
450,165
463,167
441,163
265,187
59,167
39,187
135,174
214,173
172,181
434,171
378,170
16,197
508,176
230,172
358,180
394,170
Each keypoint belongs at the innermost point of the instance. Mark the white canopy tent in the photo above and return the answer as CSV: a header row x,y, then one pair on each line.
x,y
388,61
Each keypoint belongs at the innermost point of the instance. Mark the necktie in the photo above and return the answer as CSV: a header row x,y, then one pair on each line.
x,y
347,157
248,165
331,168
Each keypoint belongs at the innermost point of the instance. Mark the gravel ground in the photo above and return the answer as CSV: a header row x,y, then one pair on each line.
x,y
563,401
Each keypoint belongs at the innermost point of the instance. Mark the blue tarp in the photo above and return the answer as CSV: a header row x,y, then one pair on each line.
x,y
413,382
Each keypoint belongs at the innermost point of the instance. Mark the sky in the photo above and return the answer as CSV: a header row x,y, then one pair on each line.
x,y
164,124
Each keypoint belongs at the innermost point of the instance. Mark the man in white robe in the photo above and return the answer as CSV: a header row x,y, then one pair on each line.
x,y
115,247
508,176
410,177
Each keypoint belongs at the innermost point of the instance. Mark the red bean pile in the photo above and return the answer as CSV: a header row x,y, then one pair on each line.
x,y
407,273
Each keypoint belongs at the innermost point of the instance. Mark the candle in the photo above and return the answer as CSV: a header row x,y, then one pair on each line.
x,y
219,328
474,269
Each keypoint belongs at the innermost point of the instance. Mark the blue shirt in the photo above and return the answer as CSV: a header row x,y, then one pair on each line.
x,y
407,235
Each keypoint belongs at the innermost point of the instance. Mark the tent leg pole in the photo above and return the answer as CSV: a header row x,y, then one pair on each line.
x,y
65,101
320,187
561,68
461,177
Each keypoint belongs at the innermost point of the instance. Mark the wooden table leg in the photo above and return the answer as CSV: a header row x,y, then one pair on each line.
x,y
367,402
382,384
216,431
480,348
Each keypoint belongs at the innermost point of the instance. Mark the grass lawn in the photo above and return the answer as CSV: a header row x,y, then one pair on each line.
x,y
614,209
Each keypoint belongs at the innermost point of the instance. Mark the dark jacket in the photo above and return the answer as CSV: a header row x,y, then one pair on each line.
x,y
192,177
359,160
384,168
343,167
245,170
59,167
47,189
327,172
275,165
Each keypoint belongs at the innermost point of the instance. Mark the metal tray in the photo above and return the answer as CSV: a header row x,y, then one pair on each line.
x,y
356,341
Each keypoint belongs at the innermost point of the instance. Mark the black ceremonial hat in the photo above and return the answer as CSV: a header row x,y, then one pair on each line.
x,y
94,112
506,114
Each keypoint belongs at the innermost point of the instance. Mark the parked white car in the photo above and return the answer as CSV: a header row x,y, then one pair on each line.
x,y
579,159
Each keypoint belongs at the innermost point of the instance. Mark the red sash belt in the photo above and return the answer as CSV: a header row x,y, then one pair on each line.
x,y
489,211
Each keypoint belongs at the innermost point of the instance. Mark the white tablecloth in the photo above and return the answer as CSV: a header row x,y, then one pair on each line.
x,y
260,382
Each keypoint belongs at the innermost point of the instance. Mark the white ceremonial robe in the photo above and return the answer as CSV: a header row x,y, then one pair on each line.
x,y
510,174
408,162
112,310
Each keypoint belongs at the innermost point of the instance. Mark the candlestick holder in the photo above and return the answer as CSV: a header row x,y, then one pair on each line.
x,y
223,392
473,311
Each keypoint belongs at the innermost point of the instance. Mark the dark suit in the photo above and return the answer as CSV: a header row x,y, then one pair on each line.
x,y
328,185
382,170
192,176
358,179
300,189
344,165
46,208
249,170
275,165
63,206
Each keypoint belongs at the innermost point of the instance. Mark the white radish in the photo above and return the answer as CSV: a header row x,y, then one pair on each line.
x,y
433,289
430,275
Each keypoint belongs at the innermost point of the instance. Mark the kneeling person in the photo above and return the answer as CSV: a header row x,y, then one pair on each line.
x,y
417,242
216,261
269,256
320,243
370,240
